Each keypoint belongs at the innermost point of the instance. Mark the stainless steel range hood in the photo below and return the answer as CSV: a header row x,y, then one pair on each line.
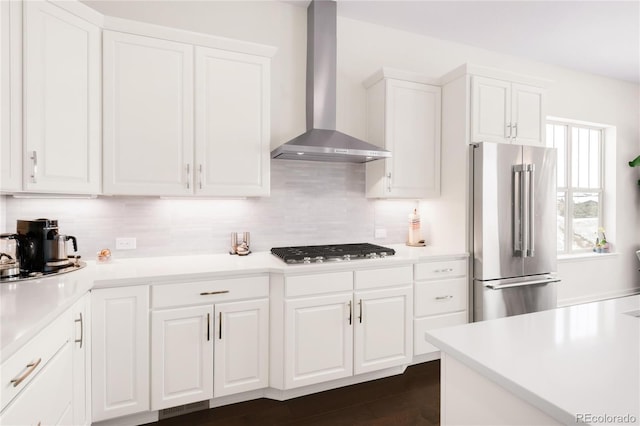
x,y
321,141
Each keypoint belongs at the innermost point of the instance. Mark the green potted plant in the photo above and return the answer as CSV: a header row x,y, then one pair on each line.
x,y
635,163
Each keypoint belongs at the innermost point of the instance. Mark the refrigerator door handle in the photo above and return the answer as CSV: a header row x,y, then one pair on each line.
x,y
517,189
522,283
531,222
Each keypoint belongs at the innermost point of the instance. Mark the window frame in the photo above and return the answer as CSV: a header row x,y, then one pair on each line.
x,y
569,190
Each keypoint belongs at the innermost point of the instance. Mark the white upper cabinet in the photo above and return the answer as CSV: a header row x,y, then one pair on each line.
x,y
184,119
232,123
403,116
62,99
148,115
506,112
10,96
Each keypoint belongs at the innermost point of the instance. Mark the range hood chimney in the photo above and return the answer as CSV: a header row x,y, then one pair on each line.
x,y
321,141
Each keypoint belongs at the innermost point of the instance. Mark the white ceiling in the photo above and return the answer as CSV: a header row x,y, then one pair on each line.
x,y
599,37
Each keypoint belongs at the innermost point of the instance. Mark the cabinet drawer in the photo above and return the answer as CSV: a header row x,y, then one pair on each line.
x,y
437,297
308,285
33,356
383,277
205,292
47,399
421,325
443,269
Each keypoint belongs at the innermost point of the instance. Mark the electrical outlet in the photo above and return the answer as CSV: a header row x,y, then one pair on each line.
x,y
380,233
128,243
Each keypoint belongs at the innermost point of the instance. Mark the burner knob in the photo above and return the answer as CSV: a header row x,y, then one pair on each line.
x,y
383,254
372,255
347,257
306,260
319,259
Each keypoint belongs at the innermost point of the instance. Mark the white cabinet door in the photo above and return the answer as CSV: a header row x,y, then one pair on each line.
x,y
181,356
62,98
241,347
10,96
413,136
318,339
148,115
383,329
490,110
232,123
404,118
528,115
119,351
47,398
81,362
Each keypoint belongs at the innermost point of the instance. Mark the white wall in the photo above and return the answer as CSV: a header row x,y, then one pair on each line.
x,y
362,49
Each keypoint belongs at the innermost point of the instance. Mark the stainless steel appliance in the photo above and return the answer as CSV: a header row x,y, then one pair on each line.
x,y
331,253
322,141
514,229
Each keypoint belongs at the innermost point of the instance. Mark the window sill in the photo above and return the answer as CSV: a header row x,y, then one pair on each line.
x,y
587,256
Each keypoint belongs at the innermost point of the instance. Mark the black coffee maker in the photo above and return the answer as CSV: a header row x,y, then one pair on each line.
x,y
41,247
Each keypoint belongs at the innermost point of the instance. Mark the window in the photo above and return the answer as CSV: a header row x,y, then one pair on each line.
x,y
580,184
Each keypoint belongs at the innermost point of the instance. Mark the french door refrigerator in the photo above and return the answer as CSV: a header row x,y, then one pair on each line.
x,y
514,229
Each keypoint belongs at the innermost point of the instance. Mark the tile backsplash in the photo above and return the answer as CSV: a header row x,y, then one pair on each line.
x,y
310,203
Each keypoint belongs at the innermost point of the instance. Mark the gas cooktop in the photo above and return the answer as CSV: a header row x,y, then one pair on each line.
x,y
331,252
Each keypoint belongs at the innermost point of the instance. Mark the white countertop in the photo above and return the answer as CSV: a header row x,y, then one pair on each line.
x,y
27,306
578,359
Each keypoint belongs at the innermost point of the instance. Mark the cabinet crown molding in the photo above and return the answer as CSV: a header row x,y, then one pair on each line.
x,y
480,70
185,36
398,74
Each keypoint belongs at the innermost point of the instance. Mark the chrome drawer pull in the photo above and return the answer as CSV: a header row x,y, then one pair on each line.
x,y
447,297
443,270
208,293
30,368
81,330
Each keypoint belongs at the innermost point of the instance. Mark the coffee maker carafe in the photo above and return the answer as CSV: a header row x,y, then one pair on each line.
x,y
42,248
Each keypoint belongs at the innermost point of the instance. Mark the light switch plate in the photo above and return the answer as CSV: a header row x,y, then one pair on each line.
x,y
128,243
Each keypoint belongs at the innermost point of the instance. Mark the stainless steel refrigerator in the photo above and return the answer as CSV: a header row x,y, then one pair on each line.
x,y
514,229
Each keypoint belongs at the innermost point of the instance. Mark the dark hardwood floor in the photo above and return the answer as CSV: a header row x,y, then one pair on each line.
x,y
412,398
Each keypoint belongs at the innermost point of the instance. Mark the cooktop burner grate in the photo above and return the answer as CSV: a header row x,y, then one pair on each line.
x,y
336,252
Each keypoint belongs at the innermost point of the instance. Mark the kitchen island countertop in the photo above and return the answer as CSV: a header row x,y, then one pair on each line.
x,y
567,362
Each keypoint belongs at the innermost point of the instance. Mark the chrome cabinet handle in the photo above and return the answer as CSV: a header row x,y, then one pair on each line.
x,y
220,329
30,368
350,313
81,330
200,176
188,176
389,182
438,271
447,297
208,293
360,303
515,128
507,134
34,173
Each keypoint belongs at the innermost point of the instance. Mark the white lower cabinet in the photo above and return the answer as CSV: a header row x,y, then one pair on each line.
x,y
318,339
44,381
383,330
329,331
181,356
119,351
241,347
209,339
440,299
81,353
